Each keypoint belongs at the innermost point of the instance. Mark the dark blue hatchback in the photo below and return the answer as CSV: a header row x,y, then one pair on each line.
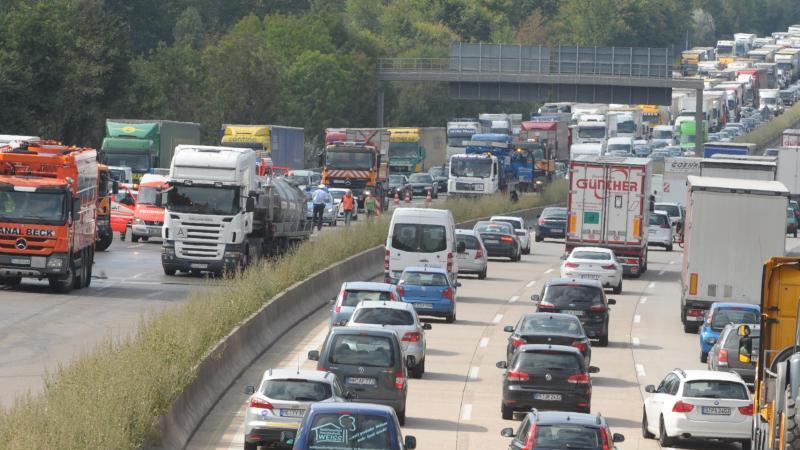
x,y
351,426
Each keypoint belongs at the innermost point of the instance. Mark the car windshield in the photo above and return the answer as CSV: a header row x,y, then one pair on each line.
x,y
722,317
203,200
548,324
715,389
297,390
423,279
672,210
596,256
437,172
658,220
138,162
343,159
567,437
361,350
300,180
396,180
530,361
471,167
420,178
494,227
347,431
469,241
353,298
33,207
419,238
563,295
383,316
627,126
403,150
514,223
337,195
619,148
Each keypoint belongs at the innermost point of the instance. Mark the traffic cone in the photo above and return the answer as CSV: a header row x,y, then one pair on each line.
x,y
408,197
428,198
396,199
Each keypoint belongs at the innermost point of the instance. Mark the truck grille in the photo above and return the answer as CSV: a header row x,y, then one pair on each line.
x,y
202,241
348,183
461,186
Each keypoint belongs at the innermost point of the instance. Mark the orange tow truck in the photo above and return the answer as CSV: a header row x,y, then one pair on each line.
x,y
48,213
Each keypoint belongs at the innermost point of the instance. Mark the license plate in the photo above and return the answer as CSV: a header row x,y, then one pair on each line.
x,y
293,412
715,411
694,319
547,397
491,241
199,266
20,262
364,381
590,277
423,305
573,312
154,232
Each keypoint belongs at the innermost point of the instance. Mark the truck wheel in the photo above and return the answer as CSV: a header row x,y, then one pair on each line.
x,y
64,284
169,272
689,328
11,281
105,242
792,422
89,268
669,248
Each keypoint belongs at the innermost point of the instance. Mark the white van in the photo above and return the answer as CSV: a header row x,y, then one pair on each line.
x,y
420,237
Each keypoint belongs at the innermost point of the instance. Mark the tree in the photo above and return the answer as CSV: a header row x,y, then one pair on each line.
x,y
589,22
533,30
189,28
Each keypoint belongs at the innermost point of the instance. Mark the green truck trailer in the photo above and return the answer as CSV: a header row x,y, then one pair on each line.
x,y
144,145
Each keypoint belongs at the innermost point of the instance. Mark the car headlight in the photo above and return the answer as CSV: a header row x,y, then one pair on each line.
x,y
138,221
55,262
330,209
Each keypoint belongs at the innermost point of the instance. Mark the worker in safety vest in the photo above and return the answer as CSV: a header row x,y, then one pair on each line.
x,y
348,204
371,205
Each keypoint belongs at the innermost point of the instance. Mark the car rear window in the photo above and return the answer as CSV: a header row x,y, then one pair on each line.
x,y
297,390
494,227
550,324
598,256
372,351
514,223
554,213
353,298
723,317
547,360
567,436
470,241
715,389
383,316
562,295
423,279
658,219
348,431
418,238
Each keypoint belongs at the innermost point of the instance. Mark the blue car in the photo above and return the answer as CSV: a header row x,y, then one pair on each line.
x,y
350,426
720,315
430,290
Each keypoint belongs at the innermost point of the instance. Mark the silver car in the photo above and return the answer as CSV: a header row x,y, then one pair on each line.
x,y
401,318
354,292
276,408
659,231
473,259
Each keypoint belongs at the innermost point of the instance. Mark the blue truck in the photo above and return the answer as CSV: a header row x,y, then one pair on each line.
x,y
728,148
491,163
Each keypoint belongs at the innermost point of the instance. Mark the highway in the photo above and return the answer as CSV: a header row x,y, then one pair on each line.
x,y
456,405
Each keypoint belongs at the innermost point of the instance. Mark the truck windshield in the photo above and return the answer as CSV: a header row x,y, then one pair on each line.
x,y
591,132
627,126
348,160
138,162
403,150
457,141
32,207
203,200
147,195
478,168
769,100
724,50
662,134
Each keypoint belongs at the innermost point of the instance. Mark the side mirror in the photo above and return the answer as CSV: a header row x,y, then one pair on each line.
x,y
159,198
536,298
745,352
508,329
410,443
250,390
115,187
458,284
563,257
461,247
507,432
617,437
350,395
593,369
611,301
411,361
501,365
650,388
313,355
250,204
426,326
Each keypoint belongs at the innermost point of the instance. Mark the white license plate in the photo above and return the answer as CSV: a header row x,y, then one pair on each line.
x,y
694,319
364,381
293,412
20,262
423,305
38,262
574,312
590,277
490,241
547,397
199,266
715,411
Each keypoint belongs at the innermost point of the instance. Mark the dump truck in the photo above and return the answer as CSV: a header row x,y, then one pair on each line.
x,y
48,210
284,146
357,159
144,145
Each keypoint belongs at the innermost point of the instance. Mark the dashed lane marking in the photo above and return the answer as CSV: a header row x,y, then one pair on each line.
x,y
651,285
635,341
514,299
548,270
473,373
637,318
643,300
484,342
466,412
640,370
497,318
530,284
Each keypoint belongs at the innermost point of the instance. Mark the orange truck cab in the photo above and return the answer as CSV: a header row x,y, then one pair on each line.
x,y
48,211
148,215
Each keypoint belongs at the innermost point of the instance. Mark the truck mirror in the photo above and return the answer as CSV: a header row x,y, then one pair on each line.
x,y
76,208
115,187
745,349
250,205
159,198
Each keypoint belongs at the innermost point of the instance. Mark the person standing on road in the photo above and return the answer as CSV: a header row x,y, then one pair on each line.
x,y
320,198
371,205
348,203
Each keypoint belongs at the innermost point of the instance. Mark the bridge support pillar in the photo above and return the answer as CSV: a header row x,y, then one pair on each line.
x,y
379,119
699,131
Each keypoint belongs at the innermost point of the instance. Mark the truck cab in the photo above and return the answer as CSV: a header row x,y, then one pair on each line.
x,y
473,174
406,154
148,215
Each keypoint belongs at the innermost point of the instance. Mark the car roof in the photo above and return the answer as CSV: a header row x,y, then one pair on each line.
x,y
426,270
313,375
661,212
593,249
693,375
735,305
465,231
556,348
564,281
493,218
368,286
363,330
556,417
351,408
385,304
553,315
667,203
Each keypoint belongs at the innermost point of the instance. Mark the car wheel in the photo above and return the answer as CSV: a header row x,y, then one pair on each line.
x,y
134,238
646,434
482,275
506,412
450,318
418,370
527,251
250,446
703,357
538,238
746,445
794,234
669,248
663,439
689,328
618,287
603,342
401,417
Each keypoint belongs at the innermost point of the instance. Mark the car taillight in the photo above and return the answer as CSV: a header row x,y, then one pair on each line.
x,y
342,297
604,437
544,305
746,410
412,336
599,308
447,293
578,378
386,260
479,254
694,312
449,262
515,375
517,342
256,402
399,381
723,357
531,438
541,220
391,296
610,267
506,239
401,290
682,407
580,345
571,265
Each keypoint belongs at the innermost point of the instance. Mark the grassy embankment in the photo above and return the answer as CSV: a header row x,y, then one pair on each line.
x,y
769,132
110,397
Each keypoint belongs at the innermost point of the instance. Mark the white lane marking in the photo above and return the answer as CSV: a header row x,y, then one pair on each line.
x,y
672,262
497,318
640,370
514,299
637,318
661,272
651,285
466,412
530,284
473,372
138,275
484,342
548,270
635,341
136,246
643,300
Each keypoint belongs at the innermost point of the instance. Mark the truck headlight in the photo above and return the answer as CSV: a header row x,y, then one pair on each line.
x,y
168,251
55,262
232,254
138,222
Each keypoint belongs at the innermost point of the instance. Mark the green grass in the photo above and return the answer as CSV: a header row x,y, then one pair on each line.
x,y
110,397
763,135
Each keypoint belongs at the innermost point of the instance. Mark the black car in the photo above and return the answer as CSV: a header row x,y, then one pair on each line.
x,y
421,183
557,430
548,328
553,377
499,239
551,223
398,184
440,175
584,299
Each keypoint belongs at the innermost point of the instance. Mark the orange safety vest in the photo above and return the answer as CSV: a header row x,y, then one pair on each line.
x,y
347,202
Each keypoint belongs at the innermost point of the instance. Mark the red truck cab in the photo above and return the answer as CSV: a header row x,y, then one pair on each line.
x,y
148,215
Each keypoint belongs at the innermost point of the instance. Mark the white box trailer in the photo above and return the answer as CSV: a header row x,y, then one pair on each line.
x,y
732,227
740,169
789,169
676,171
609,206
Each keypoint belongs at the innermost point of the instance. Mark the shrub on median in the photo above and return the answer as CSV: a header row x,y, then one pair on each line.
x,y
110,397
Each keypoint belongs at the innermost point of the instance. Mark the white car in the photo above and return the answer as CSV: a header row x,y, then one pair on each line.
x,y
700,404
277,406
337,194
400,317
594,263
523,233
659,232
